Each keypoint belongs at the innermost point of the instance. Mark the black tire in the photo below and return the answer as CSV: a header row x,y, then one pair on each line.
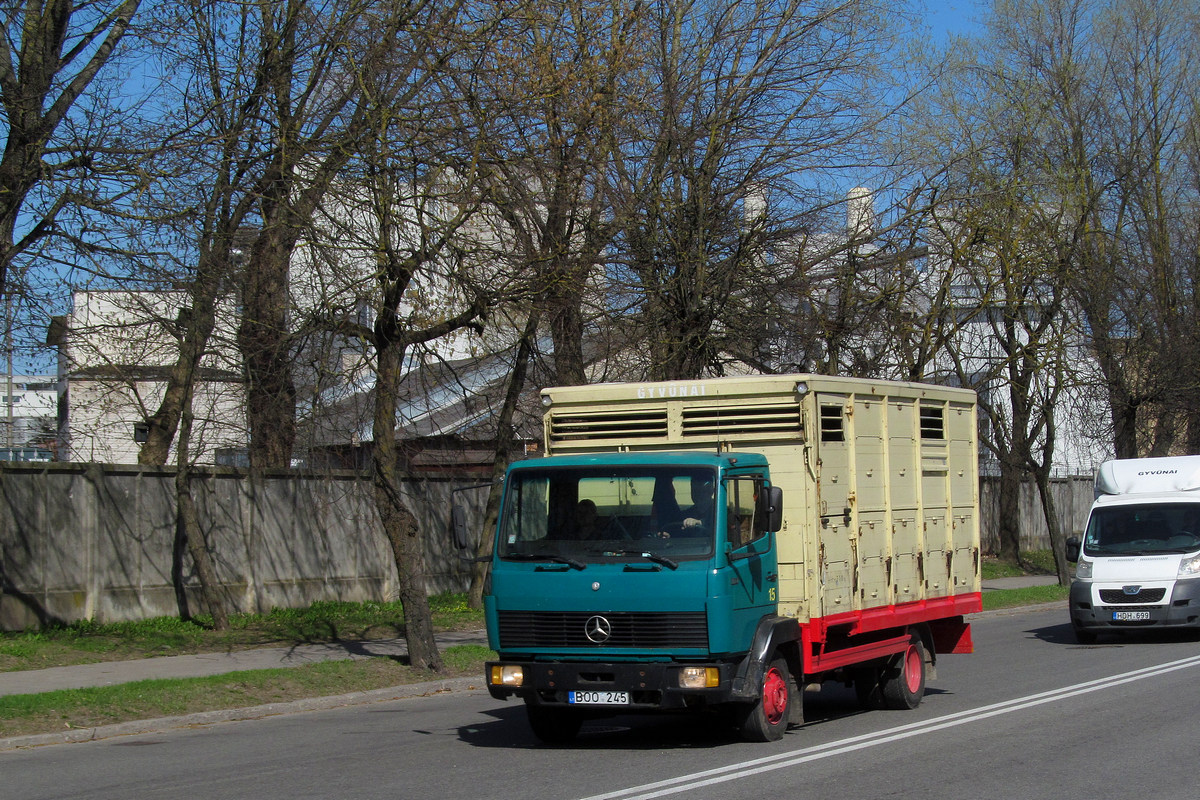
x,y
1084,636
903,681
554,725
767,719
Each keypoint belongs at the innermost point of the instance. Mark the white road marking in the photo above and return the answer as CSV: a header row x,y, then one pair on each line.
x,y
697,780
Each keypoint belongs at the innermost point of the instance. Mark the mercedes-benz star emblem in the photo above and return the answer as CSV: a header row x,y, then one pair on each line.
x,y
597,629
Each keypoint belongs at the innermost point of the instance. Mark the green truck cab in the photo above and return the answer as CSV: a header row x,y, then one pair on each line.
x,y
646,598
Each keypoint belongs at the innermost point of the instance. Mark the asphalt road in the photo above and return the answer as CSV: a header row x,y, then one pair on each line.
x,y
1030,715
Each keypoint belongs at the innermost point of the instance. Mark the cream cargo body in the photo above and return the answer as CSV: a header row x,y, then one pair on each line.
x,y
843,544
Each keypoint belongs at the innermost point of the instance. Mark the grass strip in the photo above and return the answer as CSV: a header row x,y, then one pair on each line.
x,y
89,642
49,712
1029,596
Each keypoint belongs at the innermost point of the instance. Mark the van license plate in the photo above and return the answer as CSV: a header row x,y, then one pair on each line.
x,y
1130,616
598,698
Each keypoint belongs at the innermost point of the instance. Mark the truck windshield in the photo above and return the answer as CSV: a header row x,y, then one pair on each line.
x,y
1143,529
660,515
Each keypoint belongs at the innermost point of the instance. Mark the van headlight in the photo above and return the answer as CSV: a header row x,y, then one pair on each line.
x,y
1083,569
1189,567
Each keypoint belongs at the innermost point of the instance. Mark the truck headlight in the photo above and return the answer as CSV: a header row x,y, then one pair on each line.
x,y
1189,567
507,675
699,677
1083,569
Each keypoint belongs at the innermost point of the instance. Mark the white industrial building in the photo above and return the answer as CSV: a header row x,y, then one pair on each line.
x,y
114,352
28,415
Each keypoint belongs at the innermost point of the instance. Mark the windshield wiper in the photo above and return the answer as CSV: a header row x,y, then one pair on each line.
x,y
655,557
546,557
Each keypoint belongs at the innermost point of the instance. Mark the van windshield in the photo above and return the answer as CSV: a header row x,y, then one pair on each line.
x,y
1143,530
580,515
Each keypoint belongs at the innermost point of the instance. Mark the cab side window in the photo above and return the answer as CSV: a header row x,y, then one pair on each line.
x,y
742,505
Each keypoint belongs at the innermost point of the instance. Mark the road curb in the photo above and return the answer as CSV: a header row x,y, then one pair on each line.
x,y
204,718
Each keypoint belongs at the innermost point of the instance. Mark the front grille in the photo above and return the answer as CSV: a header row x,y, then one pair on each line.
x,y
1112,597
629,629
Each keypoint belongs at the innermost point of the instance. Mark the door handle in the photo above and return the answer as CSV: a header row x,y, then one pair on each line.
x,y
772,577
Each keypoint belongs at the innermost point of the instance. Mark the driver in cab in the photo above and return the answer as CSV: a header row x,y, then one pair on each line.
x,y
698,517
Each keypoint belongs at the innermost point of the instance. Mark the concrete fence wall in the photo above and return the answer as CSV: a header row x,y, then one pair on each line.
x,y
91,541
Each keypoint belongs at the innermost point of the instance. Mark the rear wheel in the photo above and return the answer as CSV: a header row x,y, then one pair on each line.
x,y
903,681
767,719
554,725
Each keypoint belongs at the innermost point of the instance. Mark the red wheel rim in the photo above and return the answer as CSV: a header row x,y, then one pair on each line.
x,y
774,699
912,669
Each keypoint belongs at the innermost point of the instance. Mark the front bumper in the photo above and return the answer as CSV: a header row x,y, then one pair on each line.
x,y
651,686
1180,607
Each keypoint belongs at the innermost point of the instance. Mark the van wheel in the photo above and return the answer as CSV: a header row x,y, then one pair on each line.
x,y
767,719
1084,636
903,681
554,725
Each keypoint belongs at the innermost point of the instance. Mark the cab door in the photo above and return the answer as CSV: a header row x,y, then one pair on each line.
x,y
753,574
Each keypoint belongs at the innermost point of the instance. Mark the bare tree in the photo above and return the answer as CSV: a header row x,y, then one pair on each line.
x,y
748,109
545,94
409,244
1021,196
50,55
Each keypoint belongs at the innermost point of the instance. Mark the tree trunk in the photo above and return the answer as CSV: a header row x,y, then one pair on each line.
x,y
189,530
1008,513
399,525
164,423
403,534
265,345
504,445
1058,542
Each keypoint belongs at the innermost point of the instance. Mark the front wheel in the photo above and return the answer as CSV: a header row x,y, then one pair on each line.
x,y
554,725
767,719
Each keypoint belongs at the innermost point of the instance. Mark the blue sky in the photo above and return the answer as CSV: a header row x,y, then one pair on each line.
x,y
953,16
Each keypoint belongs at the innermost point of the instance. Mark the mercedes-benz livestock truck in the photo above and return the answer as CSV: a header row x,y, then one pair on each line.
x,y
720,544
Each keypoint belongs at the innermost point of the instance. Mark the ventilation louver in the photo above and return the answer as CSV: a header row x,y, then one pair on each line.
x,y
752,421
608,426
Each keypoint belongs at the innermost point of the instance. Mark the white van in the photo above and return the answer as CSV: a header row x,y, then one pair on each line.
x,y
1138,565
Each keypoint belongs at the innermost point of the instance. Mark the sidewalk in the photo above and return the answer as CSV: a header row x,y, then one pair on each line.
x,y
109,673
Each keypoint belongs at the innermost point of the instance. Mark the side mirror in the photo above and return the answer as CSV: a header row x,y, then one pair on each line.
x,y
1073,549
458,523
770,508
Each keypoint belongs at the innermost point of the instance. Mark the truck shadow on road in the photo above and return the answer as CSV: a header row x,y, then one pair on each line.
x,y
683,731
